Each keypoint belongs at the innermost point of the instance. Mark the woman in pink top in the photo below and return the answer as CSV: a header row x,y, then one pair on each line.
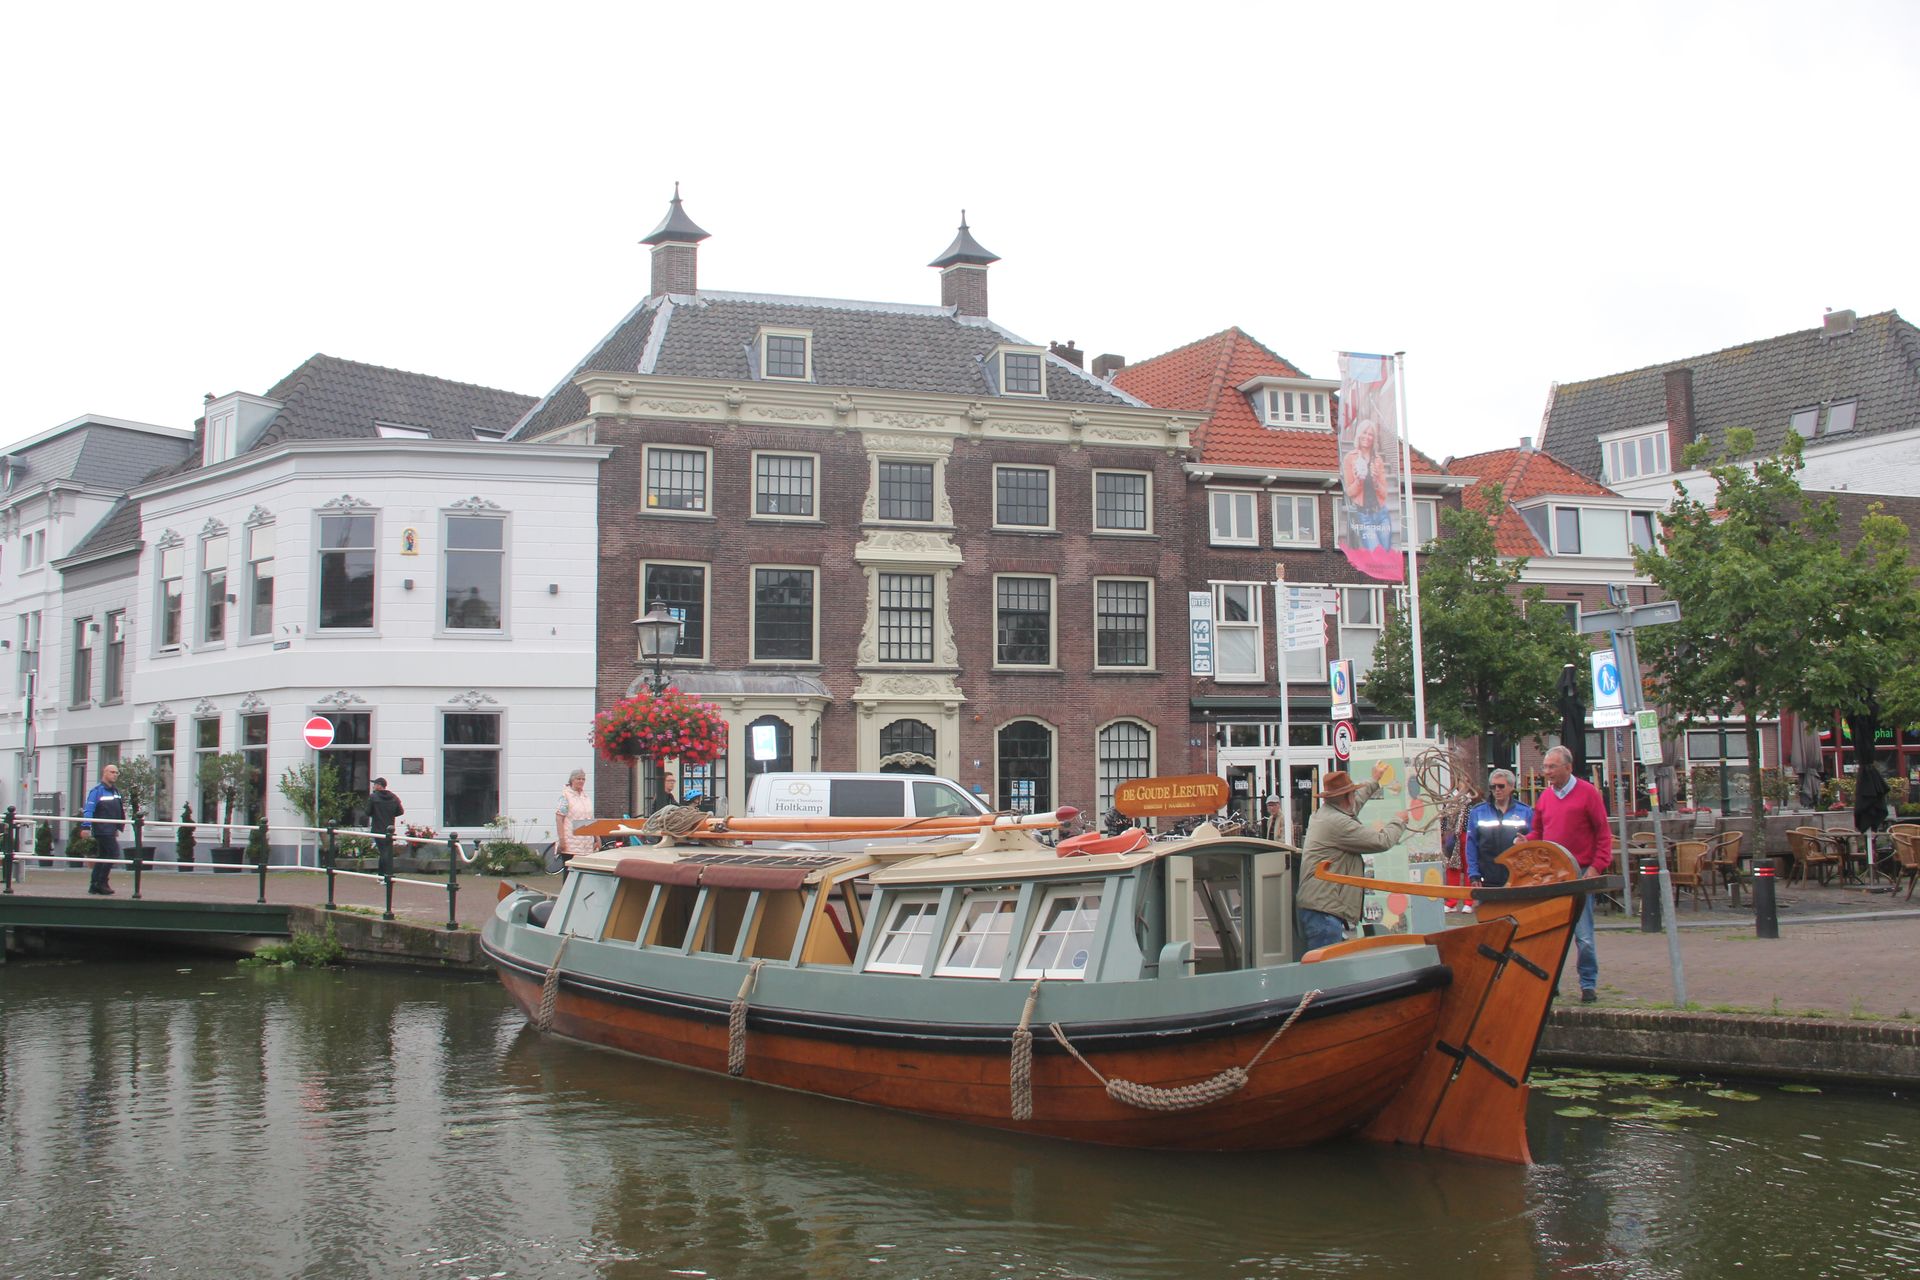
x,y
575,809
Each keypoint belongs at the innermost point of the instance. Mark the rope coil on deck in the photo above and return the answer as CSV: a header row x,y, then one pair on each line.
x,y
550,989
671,820
1020,1071
1186,1097
737,1022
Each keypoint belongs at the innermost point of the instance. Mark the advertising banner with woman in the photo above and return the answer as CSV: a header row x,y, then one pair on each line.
x,y
1371,532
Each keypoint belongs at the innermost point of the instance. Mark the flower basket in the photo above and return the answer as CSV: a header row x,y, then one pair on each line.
x,y
660,727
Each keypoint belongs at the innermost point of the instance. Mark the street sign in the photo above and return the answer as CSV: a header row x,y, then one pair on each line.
x,y
318,732
766,742
1340,687
1342,740
1200,633
1609,708
1646,731
1640,615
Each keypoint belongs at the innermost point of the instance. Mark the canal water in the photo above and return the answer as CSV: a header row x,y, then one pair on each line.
x,y
201,1119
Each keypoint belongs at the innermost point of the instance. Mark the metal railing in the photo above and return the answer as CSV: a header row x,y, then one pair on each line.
x,y
327,845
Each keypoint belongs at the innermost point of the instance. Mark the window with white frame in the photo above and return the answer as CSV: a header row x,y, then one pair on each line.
x,y
906,490
113,684
163,737
346,573
982,935
1023,621
475,573
907,937
82,662
1125,754
1362,618
1122,622
1065,927
1426,521
786,355
1233,517
1632,456
1309,665
401,431
1840,418
171,597
682,589
783,485
260,545
213,589
676,480
1288,408
1022,372
783,614
1023,497
1121,502
1296,520
1590,531
1643,529
29,653
1571,608
469,768
1239,652
1026,763
906,617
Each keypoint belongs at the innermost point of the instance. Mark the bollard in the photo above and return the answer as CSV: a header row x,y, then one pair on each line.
x,y
386,874
1766,920
453,880
264,859
1650,898
7,840
332,853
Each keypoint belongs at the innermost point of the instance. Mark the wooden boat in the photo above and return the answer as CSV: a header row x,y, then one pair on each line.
x,y
1151,998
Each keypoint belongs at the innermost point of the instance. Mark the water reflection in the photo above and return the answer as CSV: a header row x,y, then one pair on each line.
x,y
221,1121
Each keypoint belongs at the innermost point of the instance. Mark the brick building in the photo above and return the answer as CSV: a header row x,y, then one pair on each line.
x,y
901,535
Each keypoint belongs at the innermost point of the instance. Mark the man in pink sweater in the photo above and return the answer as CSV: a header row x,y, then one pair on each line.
x,y
1570,814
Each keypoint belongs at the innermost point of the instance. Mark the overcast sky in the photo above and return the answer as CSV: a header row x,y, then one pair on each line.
x,y
201,196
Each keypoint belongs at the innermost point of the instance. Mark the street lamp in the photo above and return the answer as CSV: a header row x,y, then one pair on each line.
x,y
659,634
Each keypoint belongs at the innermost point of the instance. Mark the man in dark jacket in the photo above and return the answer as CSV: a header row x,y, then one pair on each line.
x,y
1493,827
382,808
104,803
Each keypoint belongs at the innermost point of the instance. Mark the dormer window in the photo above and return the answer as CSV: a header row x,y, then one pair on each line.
x,y
1839,418
401,431
1636,455
1023,371
1296,408
786,355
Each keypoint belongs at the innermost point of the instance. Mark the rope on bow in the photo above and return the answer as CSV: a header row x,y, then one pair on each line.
x,y
1186,1097
1020,1070
737,1022
550,989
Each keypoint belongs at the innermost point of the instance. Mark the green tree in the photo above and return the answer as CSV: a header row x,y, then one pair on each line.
x,y
1491,658
140,783
296,784
1754,577
226,776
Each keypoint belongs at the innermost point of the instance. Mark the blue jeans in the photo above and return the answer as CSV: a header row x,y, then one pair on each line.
x,y
1586,963
1320,928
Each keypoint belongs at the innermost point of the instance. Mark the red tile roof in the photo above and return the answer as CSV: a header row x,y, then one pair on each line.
x,y
1202,377
1522,474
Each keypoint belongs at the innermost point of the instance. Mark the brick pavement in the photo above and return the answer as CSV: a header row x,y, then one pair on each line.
x,y
1841,951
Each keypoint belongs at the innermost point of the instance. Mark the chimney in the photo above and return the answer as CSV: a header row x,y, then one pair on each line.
x,y
1836,324
1105,366
1070,353
1526,444
1679,414
963,273
675,255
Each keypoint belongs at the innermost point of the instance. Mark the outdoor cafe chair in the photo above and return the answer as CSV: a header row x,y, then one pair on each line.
x,y
1723,861
1693,875
1906,848
1813,851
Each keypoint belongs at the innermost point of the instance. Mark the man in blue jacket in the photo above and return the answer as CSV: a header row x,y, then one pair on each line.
x,y
103,802
1493,827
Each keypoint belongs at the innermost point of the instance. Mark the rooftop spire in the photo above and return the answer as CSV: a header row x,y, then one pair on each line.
x,y
965,250
677,227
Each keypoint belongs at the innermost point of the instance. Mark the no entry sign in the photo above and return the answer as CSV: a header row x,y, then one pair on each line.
x,y
318,733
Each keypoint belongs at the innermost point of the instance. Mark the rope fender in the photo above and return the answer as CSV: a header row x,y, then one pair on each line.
x,y
1020,1070
1186,1097
550,989
737,1022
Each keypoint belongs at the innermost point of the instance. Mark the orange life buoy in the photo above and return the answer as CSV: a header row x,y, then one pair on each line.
x,y
1128,841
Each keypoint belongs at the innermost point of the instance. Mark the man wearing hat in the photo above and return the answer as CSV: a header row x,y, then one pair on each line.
x,y
1336,837
1275,826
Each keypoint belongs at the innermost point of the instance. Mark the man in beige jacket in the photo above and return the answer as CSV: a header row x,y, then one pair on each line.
x,y
1336,837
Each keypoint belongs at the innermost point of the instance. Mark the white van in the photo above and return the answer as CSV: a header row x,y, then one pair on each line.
x,y
860,795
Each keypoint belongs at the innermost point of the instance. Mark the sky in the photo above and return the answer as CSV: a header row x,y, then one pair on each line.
x,y
200,196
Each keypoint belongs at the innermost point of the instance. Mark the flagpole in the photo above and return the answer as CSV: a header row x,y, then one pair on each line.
x,y
1411,531
1282,616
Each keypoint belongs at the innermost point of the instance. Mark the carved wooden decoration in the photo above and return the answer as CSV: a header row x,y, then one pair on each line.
x,y
1538,862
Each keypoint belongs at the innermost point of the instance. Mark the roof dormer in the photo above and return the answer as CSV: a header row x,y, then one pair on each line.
x,y
233,422
1020,371
1291,404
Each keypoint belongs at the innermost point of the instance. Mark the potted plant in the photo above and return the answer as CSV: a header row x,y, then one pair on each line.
x,y
225,776
257,852
80,845
43,842
421,844
139,783
500,854
183,838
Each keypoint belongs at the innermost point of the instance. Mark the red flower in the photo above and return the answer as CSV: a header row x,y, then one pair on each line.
x,y
659,728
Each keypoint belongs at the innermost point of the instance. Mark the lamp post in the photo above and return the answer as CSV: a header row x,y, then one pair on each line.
x,y
659,634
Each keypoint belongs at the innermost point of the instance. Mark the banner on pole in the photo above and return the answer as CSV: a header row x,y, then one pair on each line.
x,y
1370,528
1200,629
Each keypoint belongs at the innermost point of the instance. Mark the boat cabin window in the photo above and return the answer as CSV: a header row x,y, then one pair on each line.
x,y
1062,941
902,946
1219,927
982,937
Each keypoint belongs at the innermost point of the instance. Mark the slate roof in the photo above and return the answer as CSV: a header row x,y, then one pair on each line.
x,y
328,398
1203,377
874,345
1522,474
98,454
119,529
1757,385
